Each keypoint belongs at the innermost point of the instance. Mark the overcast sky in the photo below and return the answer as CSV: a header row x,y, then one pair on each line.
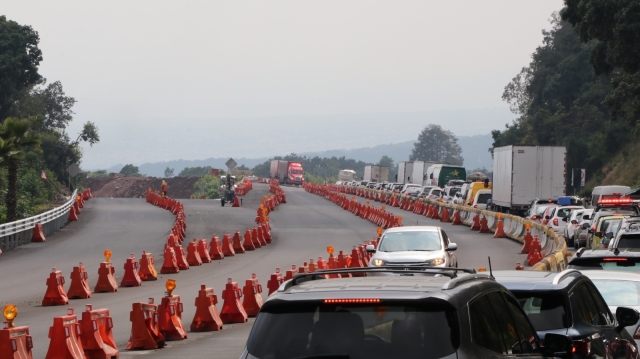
x,y
199,73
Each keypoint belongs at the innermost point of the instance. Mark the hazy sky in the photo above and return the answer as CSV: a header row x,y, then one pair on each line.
x,y
204,75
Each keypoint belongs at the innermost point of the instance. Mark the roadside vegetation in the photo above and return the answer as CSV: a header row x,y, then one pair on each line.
x,y
581,91
34,116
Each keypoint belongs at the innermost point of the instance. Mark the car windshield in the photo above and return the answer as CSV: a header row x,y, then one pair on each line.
x,y
296,172
435,192
627,264
453,191
618,292
541,208
378,330
546,311
629,241
564,212
410,241
484,197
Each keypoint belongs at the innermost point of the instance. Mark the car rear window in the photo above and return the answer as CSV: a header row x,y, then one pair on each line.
x,y
484,197
410,241
618,293
546,311
629,241
377,330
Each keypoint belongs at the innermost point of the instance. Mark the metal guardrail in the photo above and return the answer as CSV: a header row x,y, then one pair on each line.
x,y
554,247
15,234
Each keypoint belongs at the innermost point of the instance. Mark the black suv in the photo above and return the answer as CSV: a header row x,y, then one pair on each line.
x,y
568,303
447,313
624,259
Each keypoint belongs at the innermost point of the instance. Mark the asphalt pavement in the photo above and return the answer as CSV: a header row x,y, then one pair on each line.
x,y
301,229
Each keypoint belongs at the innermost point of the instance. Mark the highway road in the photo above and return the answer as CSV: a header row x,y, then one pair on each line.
x,y
302,229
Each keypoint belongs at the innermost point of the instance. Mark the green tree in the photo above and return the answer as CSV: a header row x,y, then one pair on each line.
x,y
195,171
18,136
388,162
168,172
211,185
19,60
130,170
615,28
438,145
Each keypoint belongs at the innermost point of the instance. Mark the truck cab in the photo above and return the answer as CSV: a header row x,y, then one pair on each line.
x,y
295,174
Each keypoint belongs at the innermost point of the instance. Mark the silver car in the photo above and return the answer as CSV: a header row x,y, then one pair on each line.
x,y
425,245
619,289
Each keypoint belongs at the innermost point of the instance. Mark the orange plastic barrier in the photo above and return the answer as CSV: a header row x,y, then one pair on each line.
x,y
248,243
266,233
232,309
181,259
254,238
288,275
274,282
206,318
261,239
147,272
106,280
252,296
73,216
203,251
38,234
227,245
170,318
144,327
96,335
16,343
214,249
65,338
528,238
193,256
79,288
237,244
170,265
131,276
499,229
55,294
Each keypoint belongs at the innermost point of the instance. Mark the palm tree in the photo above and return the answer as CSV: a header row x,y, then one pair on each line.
x,y
16,136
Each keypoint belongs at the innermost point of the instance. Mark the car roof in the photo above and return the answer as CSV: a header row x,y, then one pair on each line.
x,y
536,280
602,253
413,229
611,275
458,291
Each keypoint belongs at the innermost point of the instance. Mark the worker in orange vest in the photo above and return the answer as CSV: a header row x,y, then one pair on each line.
x,y
164,188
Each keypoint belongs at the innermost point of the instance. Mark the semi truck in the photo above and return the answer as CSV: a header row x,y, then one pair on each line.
x,y
439,174
376,173
405,172
346,175
522,174
287,172
420,168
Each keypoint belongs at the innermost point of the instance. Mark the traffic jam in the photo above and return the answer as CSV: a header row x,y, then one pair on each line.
x,y
415,300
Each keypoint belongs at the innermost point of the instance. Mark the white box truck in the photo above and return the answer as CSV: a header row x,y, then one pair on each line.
x,y
522,174
376,173
346,175
420,168
405,172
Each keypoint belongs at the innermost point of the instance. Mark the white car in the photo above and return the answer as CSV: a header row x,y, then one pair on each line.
x,y
407,186
480,201
449,193
560,217
575,220
422,245
435,193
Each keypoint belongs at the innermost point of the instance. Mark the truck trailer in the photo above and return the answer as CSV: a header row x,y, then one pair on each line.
x,y
420,168
522,174
346,175
405,172
287,172
376,173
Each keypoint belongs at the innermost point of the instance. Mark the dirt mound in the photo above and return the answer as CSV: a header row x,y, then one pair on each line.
x,y
119,186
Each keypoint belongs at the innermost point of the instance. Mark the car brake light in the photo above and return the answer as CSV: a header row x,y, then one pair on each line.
x,y
351,301
615,201
555,222
534,217
581,347
593,228
475,206
614,259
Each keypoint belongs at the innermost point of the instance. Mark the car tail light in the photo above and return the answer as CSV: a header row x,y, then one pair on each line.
x,y
593,228
581,347
534,217
351,301
606,246
615,201
614,259
555,222
475,206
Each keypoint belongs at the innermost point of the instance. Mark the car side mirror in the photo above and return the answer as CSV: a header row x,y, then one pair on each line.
x,y
608,235
557,345
451,247
565,219
370,248
626,317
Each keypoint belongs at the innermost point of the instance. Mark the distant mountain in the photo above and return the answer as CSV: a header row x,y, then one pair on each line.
x,y
474,151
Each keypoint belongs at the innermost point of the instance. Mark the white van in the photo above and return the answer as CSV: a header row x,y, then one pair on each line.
x,y
602,192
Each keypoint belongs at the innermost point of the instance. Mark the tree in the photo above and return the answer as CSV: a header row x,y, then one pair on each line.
x,y
195,171
168,172
17,136
436,144
19,60
386,161
615,28
129,170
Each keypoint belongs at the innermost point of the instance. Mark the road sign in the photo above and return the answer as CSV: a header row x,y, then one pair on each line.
x,y
73,170
231,164
583,174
